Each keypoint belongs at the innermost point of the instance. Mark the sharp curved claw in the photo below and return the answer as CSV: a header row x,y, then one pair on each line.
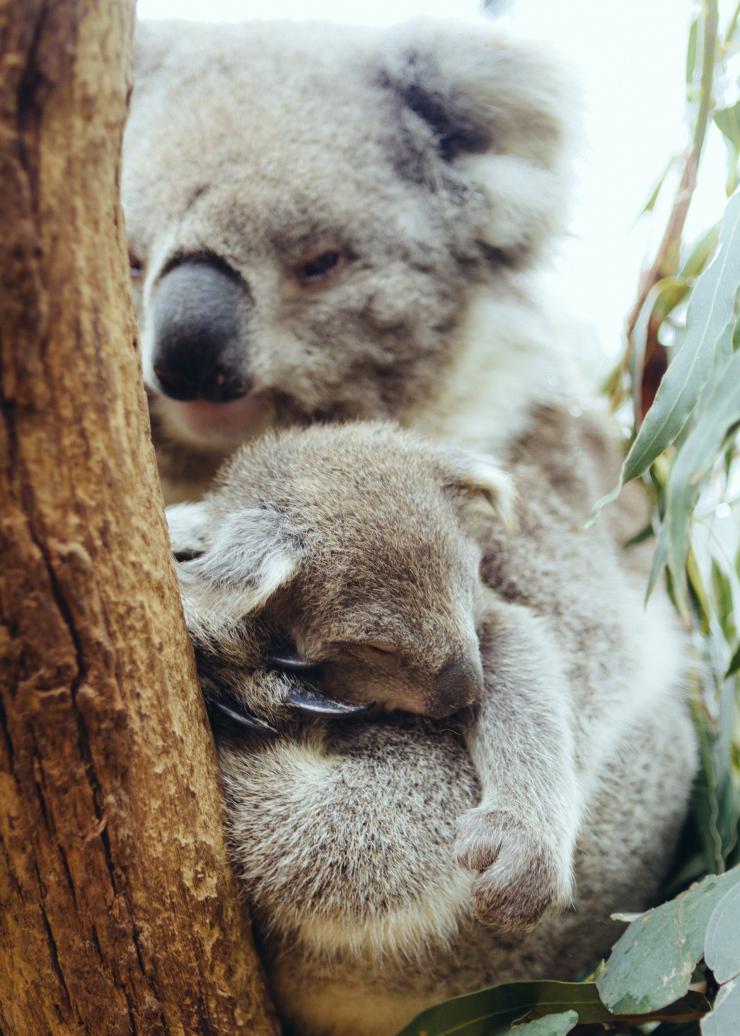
x,y
309,700
290,663
242,717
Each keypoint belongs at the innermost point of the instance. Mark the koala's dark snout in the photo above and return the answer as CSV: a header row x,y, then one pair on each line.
x,y
458,683
200,309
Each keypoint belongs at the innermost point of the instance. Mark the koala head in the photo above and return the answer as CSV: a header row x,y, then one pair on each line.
x,y
355,550
311,210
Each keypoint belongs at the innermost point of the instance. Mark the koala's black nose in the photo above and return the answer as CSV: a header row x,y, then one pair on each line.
x,y
200,309
458,683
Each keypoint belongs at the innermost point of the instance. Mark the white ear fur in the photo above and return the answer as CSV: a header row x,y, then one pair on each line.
x,y
508,113
241,565
483,481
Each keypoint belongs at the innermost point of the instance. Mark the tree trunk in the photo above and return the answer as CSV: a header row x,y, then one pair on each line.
x,y
119,912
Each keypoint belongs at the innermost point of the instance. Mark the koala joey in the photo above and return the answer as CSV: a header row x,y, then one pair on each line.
x,y
331,223
357,551
442,725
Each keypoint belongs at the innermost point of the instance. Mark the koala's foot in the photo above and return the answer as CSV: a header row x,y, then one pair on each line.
x,y
521,874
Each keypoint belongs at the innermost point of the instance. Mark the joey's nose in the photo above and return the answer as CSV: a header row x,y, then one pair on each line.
x,y
458,683
200,311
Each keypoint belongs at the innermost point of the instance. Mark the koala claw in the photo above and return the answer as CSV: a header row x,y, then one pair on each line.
x,y
239,715
313,703
520,877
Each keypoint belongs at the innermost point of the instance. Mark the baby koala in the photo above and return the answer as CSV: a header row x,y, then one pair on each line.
x,y
335,571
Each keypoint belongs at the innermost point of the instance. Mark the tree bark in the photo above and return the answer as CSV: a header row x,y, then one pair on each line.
x,y
118,913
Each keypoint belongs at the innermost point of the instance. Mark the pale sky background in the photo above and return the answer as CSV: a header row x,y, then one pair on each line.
x,y
629,56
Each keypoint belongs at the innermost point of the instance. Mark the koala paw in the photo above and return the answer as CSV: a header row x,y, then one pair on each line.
x,y
521,874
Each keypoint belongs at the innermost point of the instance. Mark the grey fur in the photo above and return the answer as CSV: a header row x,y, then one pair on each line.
x,y
433,157
386,873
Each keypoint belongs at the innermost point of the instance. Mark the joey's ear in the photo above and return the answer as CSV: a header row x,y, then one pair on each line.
x,y
480,484
229,568
497,112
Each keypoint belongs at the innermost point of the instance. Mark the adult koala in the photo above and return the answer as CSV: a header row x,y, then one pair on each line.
x,y
328,223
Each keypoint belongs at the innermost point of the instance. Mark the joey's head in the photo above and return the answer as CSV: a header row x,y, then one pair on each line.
x,y
356,550
312,210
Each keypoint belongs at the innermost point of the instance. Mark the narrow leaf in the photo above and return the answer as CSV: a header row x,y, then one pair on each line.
x,y
698,452
711,308
504,1010
727,121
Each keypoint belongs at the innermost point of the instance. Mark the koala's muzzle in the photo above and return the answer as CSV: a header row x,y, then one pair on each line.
x,y
457,684
200,311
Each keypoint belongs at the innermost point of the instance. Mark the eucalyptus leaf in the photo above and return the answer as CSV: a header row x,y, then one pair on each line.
x,y
711,310
716,804
505,1010
496,1008
551,1025
652,198
661,299
724,1019
652,963
720,412
691,51
727,121
700,253
722,941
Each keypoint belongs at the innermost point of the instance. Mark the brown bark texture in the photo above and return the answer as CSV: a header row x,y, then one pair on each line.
x,y
118,910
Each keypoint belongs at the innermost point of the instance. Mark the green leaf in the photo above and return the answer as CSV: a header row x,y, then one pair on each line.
x,y
727,121
720,412
662,298
700,253
723,1021
691,51
711,309
716,803
722,942
503,1010
551,1025
496,1008
652,963
723,596
657,187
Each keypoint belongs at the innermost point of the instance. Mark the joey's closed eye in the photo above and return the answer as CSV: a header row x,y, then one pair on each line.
x,y
365,649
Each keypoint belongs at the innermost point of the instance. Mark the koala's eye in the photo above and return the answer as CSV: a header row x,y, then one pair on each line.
x,y
319,267
136,266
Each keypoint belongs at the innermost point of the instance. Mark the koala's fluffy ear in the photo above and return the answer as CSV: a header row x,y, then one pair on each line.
x,y
499,112
228,569
483,487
